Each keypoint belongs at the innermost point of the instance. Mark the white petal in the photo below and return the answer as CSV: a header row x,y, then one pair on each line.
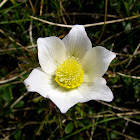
x,y
64,99
44,84
77,42
51,53
96,62
95,91
38,81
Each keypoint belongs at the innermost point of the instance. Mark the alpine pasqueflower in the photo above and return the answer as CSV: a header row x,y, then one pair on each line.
x,y
71,70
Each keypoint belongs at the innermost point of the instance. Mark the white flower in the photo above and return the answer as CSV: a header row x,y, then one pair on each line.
x,y
71,70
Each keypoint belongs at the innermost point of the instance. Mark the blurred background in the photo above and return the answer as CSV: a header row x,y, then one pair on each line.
x,y
28,116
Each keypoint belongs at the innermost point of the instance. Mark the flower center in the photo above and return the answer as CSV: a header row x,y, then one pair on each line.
x,y
69,74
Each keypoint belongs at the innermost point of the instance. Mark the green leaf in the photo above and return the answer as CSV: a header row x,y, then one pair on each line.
x,y
19,104
6,94
126,4
17,134
38,99
113,135
69,128
128,27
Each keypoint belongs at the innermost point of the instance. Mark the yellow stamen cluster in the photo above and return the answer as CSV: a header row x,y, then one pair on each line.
x,y
69,74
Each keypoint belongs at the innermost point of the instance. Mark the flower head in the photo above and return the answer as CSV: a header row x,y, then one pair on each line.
x,y
71,70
